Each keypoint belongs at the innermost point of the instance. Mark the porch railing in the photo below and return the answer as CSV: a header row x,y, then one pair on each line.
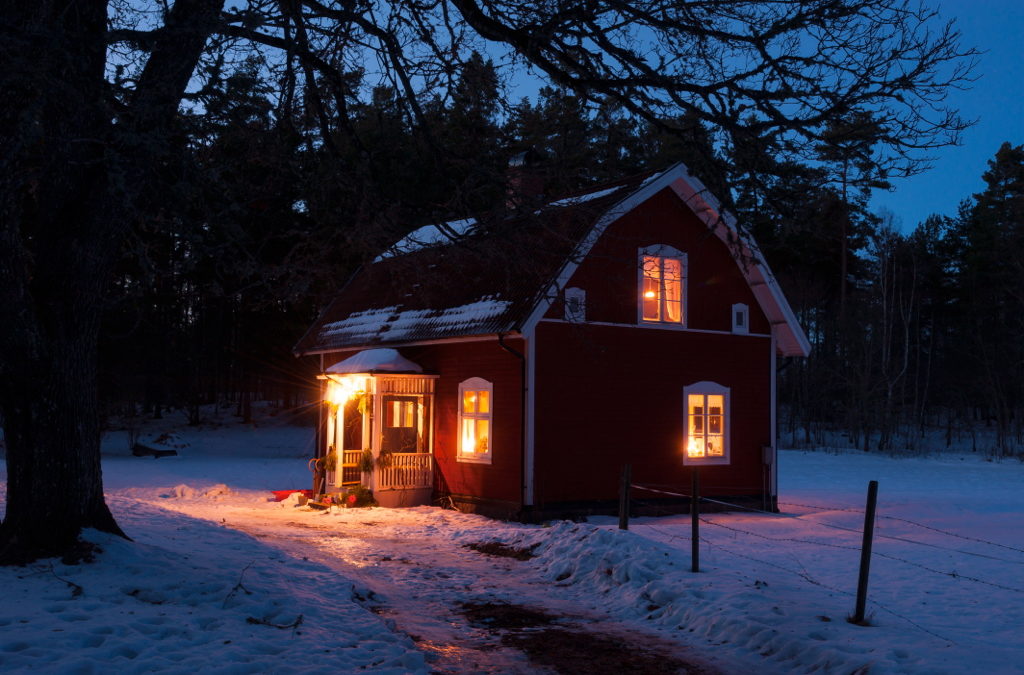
x,y
350,471
407,470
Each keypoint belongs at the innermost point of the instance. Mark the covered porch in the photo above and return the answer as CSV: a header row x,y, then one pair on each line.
x,y
378,432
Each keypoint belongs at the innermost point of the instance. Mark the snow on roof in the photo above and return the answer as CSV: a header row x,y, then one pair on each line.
x,y
446,233
580,199
397,324
375,360
429,235
377,306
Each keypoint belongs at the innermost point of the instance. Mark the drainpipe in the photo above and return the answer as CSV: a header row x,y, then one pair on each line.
x,y
522,416
319,435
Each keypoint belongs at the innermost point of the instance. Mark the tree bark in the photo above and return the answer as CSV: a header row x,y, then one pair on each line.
x,y
54,480
71,181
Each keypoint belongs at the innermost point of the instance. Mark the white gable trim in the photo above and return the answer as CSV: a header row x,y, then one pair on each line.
x,y
646,191
791,337
760,278
529,448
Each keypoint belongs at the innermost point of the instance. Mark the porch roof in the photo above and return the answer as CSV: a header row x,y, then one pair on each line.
x,y
371,361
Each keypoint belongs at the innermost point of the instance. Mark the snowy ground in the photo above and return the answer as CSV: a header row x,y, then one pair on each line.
x,y
221,580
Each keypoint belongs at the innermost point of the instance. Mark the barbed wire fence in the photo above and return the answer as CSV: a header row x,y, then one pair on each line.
x,y
681,497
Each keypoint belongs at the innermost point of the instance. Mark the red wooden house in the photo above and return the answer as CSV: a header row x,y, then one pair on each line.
x,y
514,364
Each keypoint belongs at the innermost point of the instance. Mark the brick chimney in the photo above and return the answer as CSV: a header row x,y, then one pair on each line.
x,y
524,180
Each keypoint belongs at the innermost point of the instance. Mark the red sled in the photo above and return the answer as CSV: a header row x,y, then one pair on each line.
x,y
281,495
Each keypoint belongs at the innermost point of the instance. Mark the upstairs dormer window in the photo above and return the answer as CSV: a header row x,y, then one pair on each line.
x,y
662,285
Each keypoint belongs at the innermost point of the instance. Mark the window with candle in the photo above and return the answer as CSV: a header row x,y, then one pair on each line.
x,y
662,285
476,402
707,424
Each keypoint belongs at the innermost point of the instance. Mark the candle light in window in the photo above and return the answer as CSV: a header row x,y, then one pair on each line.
x,y
649,294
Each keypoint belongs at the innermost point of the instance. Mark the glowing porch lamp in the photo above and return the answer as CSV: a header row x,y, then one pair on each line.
x,y
341,389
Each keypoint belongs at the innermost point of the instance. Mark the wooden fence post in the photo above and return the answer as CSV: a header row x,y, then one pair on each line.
x,y
865,554
626,480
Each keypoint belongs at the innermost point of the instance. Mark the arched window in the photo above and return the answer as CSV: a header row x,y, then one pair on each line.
x,y
476,403
707,423
662,275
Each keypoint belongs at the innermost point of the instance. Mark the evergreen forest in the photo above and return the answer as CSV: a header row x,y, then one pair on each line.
x,y
914,329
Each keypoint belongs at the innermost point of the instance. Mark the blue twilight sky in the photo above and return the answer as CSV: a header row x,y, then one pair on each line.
x,y
996,100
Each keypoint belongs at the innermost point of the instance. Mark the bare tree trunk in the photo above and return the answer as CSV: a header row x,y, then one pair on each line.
x,y
69,179
55,486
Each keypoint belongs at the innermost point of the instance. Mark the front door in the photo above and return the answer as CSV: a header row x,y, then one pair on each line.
x,y
401,428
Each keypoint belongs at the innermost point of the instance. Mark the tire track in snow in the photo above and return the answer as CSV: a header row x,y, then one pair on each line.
x,y
419,580
415,585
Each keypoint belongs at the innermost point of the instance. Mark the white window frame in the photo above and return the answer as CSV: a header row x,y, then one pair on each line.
x,y
741,327
575,301
707,388
662,251
476,384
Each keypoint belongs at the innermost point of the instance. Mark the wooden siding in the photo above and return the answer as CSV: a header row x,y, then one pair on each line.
x,y
714,280
608,395
501,480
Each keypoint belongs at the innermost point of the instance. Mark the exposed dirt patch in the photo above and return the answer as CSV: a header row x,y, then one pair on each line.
x,y
496,616
585,651
497,549
570,648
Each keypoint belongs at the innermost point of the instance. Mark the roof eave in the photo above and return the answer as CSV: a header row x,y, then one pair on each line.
x,y
469,337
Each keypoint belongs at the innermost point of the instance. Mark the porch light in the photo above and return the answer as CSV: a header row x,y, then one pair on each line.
x,y
340,390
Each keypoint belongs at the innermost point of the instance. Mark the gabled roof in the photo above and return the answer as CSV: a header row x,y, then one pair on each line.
x,y
500,273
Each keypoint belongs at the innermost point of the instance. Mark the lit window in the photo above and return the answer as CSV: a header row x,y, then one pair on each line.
x,y
475,405
662,284
707,423
401,413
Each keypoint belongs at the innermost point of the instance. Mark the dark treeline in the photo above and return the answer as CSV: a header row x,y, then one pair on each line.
x,y
263,220
918,342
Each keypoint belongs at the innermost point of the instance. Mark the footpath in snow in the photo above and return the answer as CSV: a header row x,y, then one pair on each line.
x,y
219,579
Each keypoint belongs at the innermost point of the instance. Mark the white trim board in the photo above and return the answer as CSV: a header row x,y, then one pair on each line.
x,y
656,326
417,343
531,421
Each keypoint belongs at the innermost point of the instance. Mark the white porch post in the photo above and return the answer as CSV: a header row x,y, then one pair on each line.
x,y
376,426
339,444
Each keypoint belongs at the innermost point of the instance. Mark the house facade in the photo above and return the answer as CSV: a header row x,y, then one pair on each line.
x,y
515,366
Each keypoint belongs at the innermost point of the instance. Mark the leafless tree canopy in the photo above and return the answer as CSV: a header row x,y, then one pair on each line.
x,y
91,132
782,70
